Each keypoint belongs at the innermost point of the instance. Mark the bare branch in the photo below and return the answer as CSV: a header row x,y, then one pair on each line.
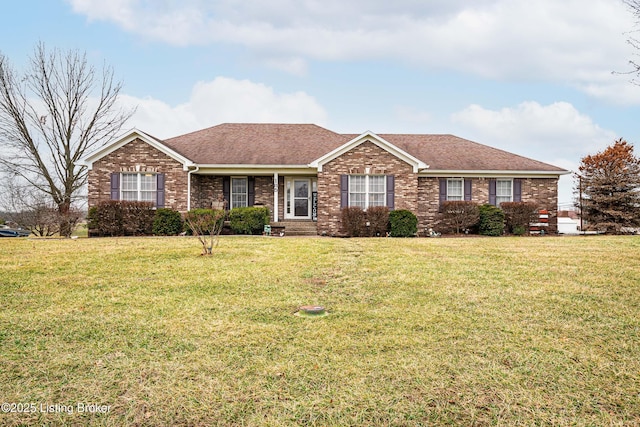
x,y
54,114
634,7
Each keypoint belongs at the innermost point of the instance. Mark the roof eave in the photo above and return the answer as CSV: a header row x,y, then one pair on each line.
x,y
493,173
245,169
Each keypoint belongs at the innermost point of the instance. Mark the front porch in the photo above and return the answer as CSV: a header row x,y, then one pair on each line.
x,y
290,198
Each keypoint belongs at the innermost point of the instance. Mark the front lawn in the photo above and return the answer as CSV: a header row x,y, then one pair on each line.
x,y
459,331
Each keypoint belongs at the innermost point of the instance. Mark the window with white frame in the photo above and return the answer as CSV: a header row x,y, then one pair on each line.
x,y
239,196
367,190
139,187
504,191
455,189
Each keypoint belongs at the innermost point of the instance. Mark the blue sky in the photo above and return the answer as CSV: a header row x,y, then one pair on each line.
x,y
533,78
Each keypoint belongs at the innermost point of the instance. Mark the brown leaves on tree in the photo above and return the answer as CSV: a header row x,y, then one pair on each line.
x,y
609,183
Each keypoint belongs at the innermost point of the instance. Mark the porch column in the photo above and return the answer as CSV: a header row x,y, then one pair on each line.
x,y
275,197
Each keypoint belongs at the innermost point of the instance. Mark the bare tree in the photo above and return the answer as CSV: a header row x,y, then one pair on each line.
x,y
207,224
634,7
51,116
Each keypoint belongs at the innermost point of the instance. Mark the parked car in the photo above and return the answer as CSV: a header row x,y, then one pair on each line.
x,y
13,232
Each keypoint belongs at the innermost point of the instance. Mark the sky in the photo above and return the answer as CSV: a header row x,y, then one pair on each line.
x,y
544,79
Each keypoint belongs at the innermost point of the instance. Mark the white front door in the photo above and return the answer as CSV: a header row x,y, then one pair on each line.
x,y
298,198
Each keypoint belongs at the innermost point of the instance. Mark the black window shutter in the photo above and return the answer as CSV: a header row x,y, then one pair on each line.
x,y
115,186
492,192
467,189
160,190
443,190
344,191
517,190
226,191
391,192
251,196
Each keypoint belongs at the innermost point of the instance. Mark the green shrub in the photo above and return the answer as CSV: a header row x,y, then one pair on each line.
x,y
378,220
491,221
167,222
354,222
250,220
518,216
403,223
121,218
519,230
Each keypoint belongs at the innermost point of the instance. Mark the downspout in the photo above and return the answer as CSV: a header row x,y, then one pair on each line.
x,y
189,186
275,197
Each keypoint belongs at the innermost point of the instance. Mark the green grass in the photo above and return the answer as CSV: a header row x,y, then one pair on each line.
x,y
460,331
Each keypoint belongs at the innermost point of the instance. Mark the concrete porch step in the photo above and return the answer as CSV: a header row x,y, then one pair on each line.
x,y
296,228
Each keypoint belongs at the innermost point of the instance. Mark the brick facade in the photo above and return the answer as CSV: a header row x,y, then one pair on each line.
x,y
356,161
417,194
541,191
139,156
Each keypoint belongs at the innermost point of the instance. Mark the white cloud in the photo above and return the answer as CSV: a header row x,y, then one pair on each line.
x,y
570,41
223,100
557,134
556,130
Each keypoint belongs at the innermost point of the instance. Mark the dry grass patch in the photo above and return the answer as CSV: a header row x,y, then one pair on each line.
x,y
419,332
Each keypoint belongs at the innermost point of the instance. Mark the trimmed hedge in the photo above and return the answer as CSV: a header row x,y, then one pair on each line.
x,y
354,221
459,215
378,219
519,215
167,222
121,218
403,223
491,221
250,220
374,222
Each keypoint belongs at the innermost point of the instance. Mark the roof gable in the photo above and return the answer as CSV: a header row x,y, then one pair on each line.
x,y
125,139
378,141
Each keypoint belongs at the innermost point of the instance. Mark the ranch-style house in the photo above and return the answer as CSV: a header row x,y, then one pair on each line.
x,y
306,174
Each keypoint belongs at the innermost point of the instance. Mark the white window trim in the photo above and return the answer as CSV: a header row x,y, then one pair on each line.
x,y
231,193
510,181
367,192
139,189
461,181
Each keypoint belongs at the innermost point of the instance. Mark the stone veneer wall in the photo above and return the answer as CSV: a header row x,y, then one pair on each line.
x,y
380,162
541,191
139,154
